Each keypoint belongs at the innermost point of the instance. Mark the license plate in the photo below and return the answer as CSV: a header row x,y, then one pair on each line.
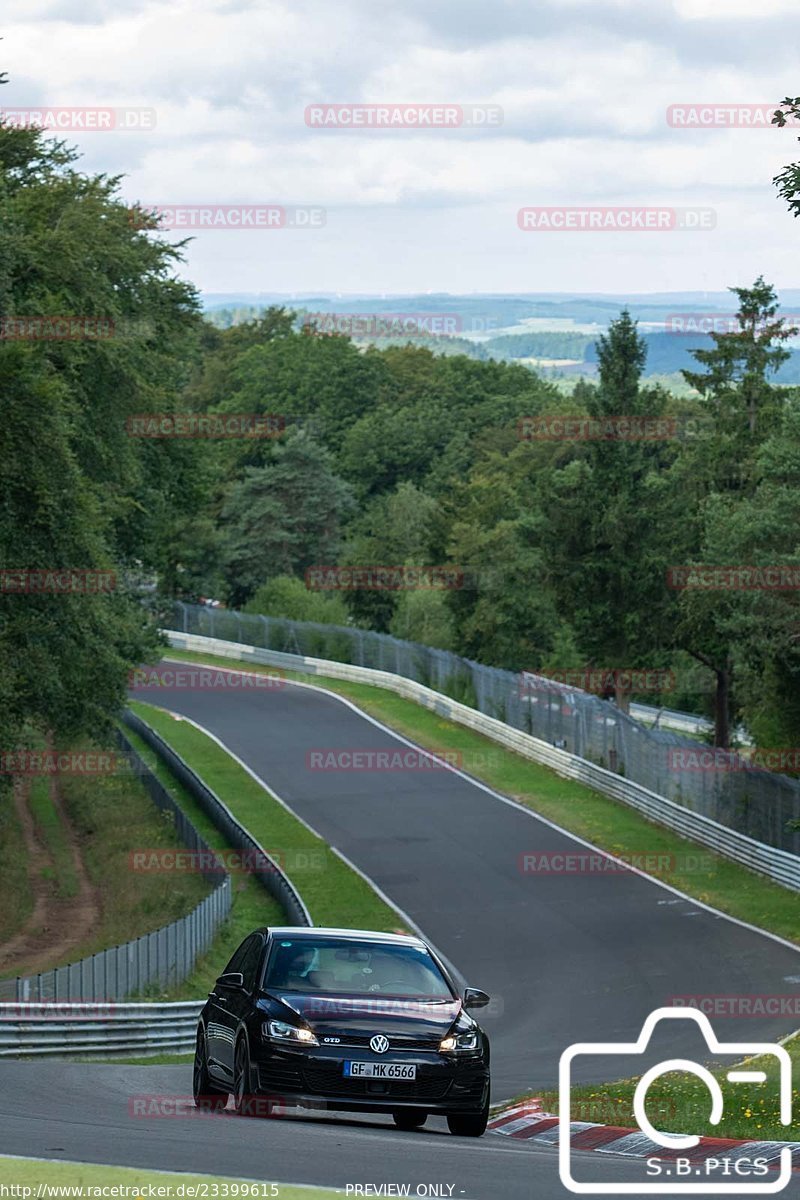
x,y
379,1070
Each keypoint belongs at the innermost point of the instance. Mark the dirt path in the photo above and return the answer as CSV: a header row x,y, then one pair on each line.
x,y
56,924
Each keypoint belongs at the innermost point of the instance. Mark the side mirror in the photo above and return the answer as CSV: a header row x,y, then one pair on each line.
x,y
475,998
231,979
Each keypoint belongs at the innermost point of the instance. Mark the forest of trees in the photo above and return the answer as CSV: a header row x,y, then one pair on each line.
x,y
389,455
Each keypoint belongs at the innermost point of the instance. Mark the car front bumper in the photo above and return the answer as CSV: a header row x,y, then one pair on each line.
x,y
317,1080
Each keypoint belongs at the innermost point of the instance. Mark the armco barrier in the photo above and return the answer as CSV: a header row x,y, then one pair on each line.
x,y
272,877
162,958
779,865
89,1030
681,722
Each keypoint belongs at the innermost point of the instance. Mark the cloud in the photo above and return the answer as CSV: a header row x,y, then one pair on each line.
x,y
584,86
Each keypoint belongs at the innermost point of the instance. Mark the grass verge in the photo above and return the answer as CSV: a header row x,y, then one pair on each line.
x,y
251,906
31,1172
50,829
17,895
130,903
606,823
679,1103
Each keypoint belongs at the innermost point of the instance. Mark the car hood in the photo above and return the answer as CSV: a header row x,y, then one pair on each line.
x,y
414,1017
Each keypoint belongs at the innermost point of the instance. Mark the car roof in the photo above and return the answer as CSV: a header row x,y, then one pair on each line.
x,y
356,935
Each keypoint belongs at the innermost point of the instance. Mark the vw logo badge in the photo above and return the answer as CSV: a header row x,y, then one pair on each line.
x,y
380,1043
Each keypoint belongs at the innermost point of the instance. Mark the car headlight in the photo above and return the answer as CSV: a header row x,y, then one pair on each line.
x,y
289,1033
456,1042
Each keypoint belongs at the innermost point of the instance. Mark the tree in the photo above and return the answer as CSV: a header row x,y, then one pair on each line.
x,y
287,596
505,614
68,249
787,181
610,517
738,366
402,528
721,473
423,616
70,475
282,518
762,626
64,656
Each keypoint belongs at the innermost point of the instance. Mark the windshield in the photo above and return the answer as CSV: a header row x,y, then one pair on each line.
x,y
344,967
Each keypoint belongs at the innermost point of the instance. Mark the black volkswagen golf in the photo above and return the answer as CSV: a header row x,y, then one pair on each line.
x,y
343,1019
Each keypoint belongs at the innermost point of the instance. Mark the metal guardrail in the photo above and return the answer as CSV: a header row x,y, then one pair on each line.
x,y
272,877
779,865
90,1030
162,958
682,722
667,718
723,786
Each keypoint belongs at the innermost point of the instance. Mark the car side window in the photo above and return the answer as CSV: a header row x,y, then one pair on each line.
x,y
250,961
238,956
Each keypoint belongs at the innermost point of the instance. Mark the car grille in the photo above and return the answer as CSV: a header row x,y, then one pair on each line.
x,y
395,1043
275,1076
330,1081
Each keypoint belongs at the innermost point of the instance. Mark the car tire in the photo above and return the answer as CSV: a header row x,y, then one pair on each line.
x,y
245,1103
206,1095
409,1118
469,1124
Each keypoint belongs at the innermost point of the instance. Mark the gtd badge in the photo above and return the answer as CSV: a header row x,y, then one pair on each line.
x,y
380,1043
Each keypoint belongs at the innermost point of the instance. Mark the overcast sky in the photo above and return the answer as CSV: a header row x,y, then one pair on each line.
x,y
584,87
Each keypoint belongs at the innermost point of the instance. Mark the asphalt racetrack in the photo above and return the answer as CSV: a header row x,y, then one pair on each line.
x,y
570,957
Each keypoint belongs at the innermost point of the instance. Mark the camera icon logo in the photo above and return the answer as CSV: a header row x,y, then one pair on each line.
x,y
670,1141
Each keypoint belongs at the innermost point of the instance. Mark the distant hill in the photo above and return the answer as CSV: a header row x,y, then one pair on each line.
x,y
553,327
